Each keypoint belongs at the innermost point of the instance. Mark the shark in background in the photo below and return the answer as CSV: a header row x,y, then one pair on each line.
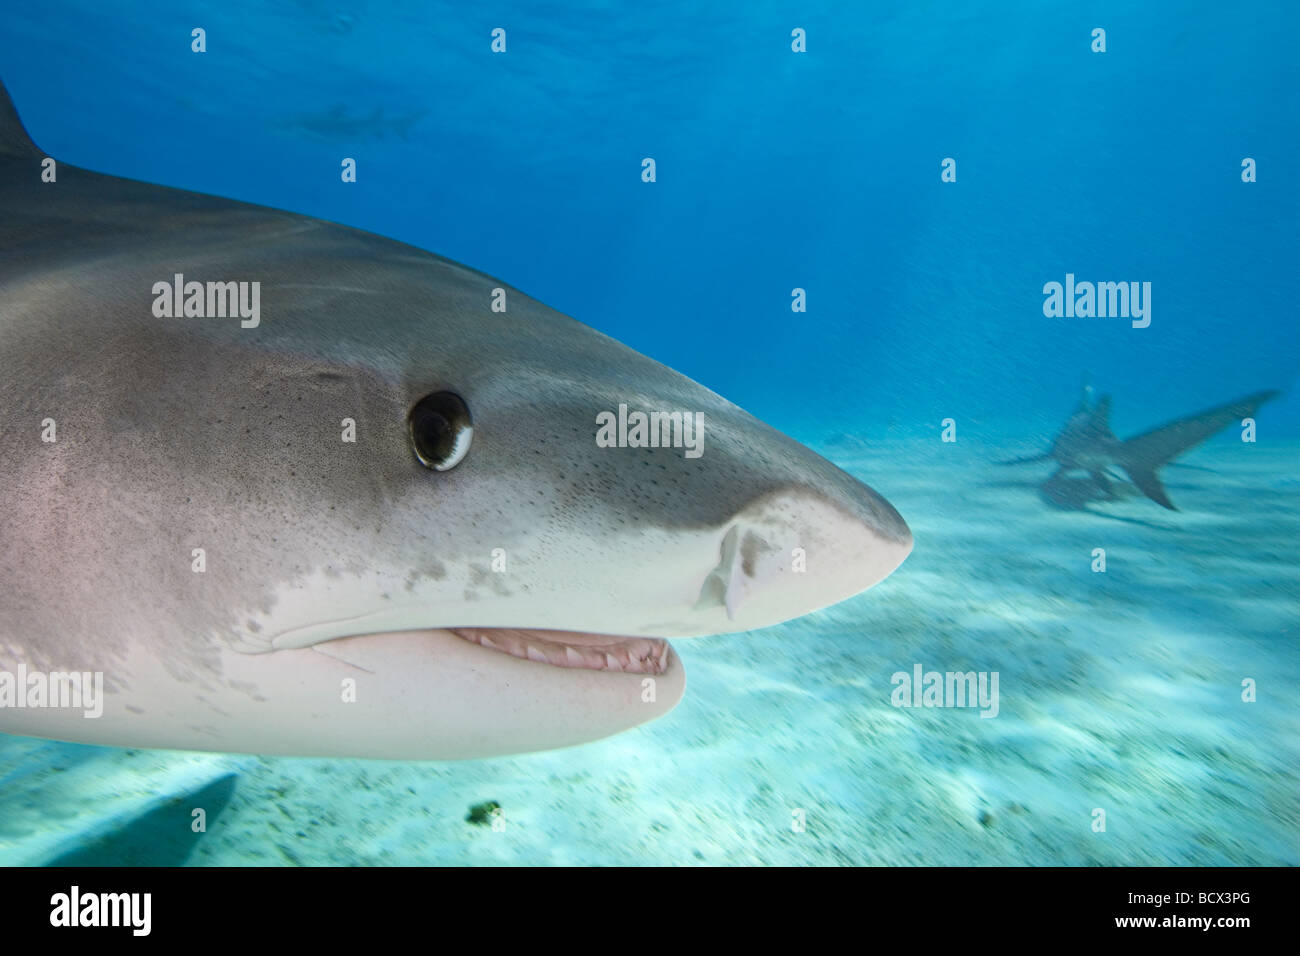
x,y
339,124
469,574
1087,444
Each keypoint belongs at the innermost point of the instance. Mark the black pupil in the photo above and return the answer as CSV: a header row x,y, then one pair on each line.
x,y
433,434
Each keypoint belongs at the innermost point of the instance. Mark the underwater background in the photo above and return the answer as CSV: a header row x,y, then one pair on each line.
x,y
776,170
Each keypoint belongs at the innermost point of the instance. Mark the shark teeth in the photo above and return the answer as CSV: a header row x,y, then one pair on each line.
x,y
597,652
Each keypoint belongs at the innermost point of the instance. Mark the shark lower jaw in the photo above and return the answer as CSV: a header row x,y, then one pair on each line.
x,y
595,652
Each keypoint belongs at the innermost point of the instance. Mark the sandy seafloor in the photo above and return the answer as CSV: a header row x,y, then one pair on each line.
x,y
1119,691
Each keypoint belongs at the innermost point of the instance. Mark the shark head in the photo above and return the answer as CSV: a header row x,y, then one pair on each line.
x,y
481,531
409,512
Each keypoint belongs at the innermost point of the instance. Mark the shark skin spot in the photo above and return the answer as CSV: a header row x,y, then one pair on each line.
x,y
751,548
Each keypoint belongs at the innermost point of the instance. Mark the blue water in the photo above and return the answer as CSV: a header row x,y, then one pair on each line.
x,y
776,171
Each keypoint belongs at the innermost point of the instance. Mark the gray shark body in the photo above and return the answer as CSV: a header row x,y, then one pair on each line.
x,y
183,510
1086,443
341,125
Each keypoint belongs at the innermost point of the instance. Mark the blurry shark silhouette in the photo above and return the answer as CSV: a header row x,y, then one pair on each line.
x,y
341,125
1087,444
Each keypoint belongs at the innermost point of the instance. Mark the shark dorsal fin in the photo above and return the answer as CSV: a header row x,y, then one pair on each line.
x,y
14,140
1101,414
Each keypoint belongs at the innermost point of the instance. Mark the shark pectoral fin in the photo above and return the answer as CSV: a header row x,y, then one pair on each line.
x,y
1149,484
1102,481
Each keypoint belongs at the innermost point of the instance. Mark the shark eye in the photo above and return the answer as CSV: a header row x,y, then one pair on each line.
x,y
441,430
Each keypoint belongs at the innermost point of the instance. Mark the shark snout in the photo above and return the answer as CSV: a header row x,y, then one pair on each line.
x,y
800,549
756,530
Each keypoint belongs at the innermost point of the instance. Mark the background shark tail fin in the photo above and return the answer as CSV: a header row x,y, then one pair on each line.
x,y
1149,484
14,140
1142,455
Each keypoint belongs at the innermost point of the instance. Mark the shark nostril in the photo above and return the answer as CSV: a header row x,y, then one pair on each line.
x,y
795,550
717,583
737,570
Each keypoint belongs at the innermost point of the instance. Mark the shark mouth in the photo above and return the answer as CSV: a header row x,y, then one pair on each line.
x,y
597,652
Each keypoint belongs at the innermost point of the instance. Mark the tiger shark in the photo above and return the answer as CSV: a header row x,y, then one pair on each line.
x,y
1087,443
356,506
